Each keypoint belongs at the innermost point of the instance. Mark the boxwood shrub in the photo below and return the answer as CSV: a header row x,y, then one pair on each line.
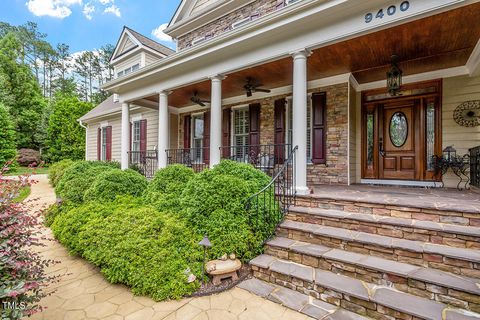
x,y
109,184
134,244
165,189
56,171
79,177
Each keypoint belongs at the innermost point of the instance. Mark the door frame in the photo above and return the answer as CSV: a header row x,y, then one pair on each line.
x,y
424,93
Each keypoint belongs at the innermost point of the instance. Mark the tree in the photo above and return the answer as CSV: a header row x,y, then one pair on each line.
x,y
7,137
65,137
25,101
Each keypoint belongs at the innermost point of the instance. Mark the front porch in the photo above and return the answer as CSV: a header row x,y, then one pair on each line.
x,y
326,100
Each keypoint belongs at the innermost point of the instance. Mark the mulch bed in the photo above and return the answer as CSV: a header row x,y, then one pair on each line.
x,y
209,288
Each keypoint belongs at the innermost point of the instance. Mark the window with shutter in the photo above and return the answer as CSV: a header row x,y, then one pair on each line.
x,y
206,137
197,138
308,125
226,122
186,131
279,128
240,133
104,144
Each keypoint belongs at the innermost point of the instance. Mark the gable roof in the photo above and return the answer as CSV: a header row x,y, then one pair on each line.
x,y
138,40
106,107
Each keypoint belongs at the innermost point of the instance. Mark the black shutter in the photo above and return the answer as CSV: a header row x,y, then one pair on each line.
x,y
279,130
226,126
206,137
186,131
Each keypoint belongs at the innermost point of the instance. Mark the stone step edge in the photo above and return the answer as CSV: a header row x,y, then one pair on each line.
x,y
394,221
297,301
341,199
368,292
384,241
405,270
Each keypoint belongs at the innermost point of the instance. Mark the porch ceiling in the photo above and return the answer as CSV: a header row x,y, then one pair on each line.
x,y
437,42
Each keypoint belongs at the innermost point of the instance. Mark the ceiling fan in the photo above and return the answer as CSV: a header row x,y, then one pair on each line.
x,y
251,86
196,99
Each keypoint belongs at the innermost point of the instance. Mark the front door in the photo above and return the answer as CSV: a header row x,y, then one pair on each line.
x,y
397,147
401,134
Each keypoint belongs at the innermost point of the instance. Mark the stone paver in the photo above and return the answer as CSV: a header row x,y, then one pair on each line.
x,y
83,293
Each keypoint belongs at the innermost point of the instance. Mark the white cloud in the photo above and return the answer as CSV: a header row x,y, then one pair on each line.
x,y
105,2
160,35
88,9
113,9
52,8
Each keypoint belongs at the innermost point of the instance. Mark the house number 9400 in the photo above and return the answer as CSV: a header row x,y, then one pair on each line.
x,y
390,11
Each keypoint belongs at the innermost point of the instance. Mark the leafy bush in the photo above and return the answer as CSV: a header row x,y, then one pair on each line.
x,y
133,244
57,170
213,202
166,187
22,269
79,177
114,183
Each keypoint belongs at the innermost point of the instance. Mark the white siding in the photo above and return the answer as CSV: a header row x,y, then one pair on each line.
x,y
455,91
150,58
126,45
202,4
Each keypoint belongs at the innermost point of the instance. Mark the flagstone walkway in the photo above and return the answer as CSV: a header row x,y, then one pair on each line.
x,y
83,293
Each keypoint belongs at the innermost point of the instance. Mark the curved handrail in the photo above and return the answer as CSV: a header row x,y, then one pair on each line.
x,y
275,178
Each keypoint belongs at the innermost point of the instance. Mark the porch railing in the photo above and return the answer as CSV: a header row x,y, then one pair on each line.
x,y
475,167
266,157
195,158
272,202
144,162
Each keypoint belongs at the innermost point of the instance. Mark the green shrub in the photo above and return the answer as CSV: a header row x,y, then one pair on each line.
x,y
116,182
79,177
166,187
57,170
135,245
54,210
213,202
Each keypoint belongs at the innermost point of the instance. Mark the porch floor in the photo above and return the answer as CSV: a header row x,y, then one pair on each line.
x,y
432,198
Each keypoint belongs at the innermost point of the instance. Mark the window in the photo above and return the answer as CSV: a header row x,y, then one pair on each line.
x,y
104,144
135,67
240,133
287,2
197,138
430,135
128,70
120,74
308,125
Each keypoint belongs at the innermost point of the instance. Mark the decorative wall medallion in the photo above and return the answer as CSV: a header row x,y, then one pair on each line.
x,y
468,114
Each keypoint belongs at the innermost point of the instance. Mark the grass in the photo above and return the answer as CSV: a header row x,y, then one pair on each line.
x,y
24,193
22,170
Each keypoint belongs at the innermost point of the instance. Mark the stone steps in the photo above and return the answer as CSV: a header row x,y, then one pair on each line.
x,y
455,290
364,298
404,228
297,301
455,260
461,216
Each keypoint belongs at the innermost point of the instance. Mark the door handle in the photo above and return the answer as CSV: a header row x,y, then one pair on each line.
x,y
380,147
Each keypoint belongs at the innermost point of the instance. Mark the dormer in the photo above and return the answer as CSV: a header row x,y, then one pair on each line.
x,y
135,51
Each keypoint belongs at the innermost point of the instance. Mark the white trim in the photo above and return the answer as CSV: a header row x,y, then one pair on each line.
x,y
354,82
136,117
348,134
431,75
142,59
410,183
198,40
239,23
103,124
473,63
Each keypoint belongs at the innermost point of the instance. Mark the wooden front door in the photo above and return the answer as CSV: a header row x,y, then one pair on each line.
x,y
401,134
397,147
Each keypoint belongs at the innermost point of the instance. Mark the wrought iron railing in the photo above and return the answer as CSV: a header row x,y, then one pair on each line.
x,y
475,167
195,158
144,162
272,202
265,157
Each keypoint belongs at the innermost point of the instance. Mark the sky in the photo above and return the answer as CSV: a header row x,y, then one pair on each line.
x,y
89,24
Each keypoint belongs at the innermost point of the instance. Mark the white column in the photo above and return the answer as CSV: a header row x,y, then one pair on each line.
x,y
216,120
125,133
299,103
163,136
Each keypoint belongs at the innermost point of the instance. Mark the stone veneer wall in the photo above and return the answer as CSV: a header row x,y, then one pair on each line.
x,y
258,8
335,171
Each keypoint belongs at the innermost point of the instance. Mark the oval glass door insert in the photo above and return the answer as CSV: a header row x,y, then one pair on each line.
x,y
398,129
